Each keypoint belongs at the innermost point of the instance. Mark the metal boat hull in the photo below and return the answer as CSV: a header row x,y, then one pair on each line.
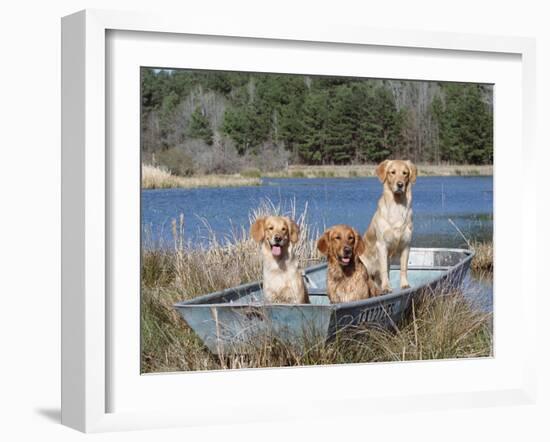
x,y
237,319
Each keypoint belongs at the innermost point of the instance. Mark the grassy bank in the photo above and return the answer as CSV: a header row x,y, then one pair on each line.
x,y
157,178
447,326
367,170
153,177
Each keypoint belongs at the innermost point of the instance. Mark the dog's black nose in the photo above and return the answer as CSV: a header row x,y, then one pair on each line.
x,y
277,238
400,184
347,249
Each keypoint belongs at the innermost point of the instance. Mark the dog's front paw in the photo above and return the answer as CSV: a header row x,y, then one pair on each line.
x,y
405,285
386,288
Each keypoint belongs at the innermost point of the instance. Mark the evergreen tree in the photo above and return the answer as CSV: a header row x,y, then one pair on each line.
x,y
312,141
167,108
343,124
465,125
247,125
199,126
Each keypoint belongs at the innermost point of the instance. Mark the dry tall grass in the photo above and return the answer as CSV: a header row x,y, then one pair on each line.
x,y
367,170
483,258
153,177
442,327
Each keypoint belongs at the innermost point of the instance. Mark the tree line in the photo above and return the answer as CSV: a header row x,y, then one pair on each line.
x,y
218,121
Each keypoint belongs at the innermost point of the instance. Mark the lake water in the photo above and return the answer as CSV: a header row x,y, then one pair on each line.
x,y
467,201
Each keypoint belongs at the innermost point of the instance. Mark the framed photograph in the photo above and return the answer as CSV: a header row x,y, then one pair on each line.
x,y
249,214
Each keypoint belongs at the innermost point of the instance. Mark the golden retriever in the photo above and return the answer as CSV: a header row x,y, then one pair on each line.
x,y
282,278
390,231
347,277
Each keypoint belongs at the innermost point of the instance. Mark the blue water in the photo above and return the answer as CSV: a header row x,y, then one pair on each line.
x,y
467,201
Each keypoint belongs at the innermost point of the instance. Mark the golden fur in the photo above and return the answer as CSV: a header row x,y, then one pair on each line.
x,y
282,278
390,231
347,277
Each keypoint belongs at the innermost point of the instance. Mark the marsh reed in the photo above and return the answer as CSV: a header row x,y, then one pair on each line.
x,y
154,177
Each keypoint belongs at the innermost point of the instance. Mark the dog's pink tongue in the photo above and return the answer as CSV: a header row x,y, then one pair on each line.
x,y
276,250
345,260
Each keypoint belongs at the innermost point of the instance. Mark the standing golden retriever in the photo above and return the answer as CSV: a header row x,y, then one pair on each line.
x,y
282,278
347,277
390,231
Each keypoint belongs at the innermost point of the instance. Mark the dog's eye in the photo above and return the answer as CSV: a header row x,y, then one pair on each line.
x,y
270,227
393,172
284,229
351,238
337,237
405,173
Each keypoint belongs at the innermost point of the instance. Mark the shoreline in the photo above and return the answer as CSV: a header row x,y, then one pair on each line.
x,y
158,178
368,170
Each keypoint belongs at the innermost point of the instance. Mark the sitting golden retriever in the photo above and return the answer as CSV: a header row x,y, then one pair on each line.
x,y
347,277
282,278
390,231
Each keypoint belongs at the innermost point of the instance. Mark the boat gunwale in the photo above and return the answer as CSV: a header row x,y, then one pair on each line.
x,y
361,303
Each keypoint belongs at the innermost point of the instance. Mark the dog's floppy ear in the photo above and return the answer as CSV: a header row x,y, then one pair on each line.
x,y
257,229
381,170
293,230
322,243
359,247
412,170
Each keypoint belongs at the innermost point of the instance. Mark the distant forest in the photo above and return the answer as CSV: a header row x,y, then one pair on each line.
x,y
224,122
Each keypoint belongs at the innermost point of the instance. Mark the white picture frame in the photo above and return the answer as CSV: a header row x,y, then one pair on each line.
x,y
89,172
